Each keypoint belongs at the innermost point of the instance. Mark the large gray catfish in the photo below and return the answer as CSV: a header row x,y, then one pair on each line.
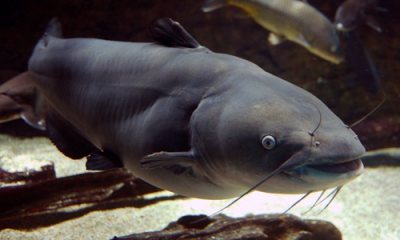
x,y
189,120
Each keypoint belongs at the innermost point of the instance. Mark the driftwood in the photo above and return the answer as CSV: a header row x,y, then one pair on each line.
x,y
46,173
271,227
42,200
43,196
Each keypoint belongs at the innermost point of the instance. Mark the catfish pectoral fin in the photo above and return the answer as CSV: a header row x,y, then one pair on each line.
x,y
33,119
178,162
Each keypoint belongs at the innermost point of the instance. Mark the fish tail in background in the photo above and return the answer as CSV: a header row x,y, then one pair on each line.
x,y
366,73
9,109
54,28
211,5
19,99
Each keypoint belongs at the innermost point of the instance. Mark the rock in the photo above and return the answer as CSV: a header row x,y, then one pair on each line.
x,y
382,157
279,227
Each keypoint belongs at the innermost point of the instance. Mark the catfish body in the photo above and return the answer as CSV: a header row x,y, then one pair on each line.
x,y
189,120
133,99
352,13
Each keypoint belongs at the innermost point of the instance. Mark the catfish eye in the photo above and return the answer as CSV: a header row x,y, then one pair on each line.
x,y
268,142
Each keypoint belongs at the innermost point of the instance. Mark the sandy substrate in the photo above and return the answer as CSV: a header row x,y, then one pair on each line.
x,y
367,208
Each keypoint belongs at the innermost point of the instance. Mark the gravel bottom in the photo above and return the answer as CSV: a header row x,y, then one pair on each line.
x,y
366,208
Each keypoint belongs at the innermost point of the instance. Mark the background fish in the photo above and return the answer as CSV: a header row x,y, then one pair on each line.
x,y
361,63
294,20
352,13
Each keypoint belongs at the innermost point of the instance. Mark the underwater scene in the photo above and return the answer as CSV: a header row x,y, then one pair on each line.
x,y
201,119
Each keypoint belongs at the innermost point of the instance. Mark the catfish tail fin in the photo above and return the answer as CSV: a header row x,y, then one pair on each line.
x,y
20,99
9,109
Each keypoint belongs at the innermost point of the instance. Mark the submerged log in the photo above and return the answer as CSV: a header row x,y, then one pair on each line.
x,y
43,193
278,227
47,172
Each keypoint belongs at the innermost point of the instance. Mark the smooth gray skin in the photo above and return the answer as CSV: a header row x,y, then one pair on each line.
x,y
141,98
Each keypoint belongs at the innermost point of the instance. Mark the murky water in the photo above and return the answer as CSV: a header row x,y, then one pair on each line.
x,y
366,208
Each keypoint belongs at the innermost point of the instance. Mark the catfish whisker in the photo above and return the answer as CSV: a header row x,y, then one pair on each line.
x,y
336,191
273,173
318,125
315,203
297,202
311,133
326,197
280,169
371,112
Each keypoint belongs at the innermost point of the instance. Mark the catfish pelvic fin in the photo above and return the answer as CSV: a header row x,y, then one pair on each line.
x,y
66,137
169,33
178,162
103,160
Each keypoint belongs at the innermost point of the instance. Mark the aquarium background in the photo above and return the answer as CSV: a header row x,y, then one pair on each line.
x,y
227,30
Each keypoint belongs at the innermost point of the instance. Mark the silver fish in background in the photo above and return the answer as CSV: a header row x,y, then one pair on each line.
x,y
293,20
351,13
186,119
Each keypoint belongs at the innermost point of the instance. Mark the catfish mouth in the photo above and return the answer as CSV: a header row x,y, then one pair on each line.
x,y
338,168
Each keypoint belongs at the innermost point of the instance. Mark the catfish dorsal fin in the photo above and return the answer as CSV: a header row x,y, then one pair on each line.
x,y
170,33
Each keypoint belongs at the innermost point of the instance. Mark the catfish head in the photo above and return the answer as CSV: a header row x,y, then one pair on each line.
x,y
273,132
